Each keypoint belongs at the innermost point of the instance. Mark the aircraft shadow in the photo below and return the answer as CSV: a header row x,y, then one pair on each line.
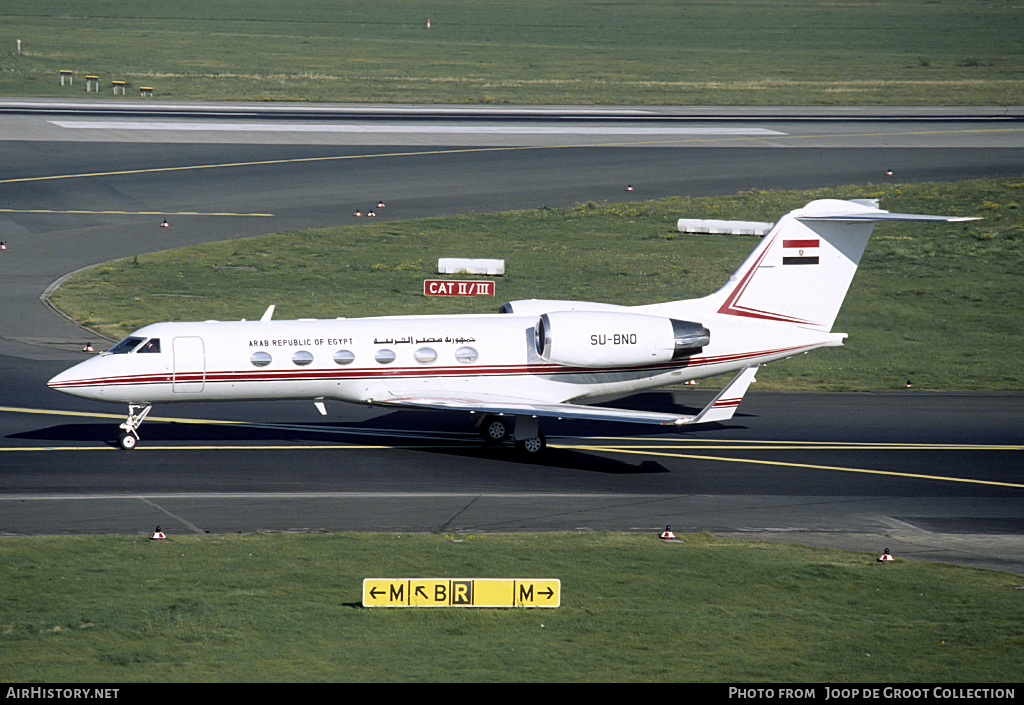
x,y
462,445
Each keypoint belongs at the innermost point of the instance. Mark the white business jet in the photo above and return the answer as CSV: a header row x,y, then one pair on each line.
x,y
532,359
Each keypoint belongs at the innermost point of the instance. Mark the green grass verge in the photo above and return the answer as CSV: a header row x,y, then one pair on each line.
x,y
728,52
935,303
634,608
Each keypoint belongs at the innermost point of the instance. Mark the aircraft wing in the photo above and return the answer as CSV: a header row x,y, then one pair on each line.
x,y
721,408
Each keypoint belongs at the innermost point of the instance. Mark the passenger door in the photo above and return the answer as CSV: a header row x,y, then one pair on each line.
x,y
189,365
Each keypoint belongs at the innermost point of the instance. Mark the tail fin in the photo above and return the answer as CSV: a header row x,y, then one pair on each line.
x,y
802,269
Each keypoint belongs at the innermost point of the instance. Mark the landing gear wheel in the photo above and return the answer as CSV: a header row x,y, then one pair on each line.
x,y
127,441
532,446
494,429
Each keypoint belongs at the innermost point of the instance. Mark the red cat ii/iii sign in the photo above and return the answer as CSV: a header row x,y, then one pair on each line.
x,y
448,287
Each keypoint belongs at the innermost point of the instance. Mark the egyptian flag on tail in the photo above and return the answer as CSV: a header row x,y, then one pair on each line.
x,y
800,251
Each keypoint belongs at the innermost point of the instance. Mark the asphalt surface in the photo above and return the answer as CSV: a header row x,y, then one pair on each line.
x,y
928,475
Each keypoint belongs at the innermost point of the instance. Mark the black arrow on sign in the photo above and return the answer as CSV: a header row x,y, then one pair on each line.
x,y
373,593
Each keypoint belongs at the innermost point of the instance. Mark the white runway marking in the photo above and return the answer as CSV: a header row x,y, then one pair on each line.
x,y
413,129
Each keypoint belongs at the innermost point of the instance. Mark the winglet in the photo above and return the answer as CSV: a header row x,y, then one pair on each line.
x,y
268,315
723,406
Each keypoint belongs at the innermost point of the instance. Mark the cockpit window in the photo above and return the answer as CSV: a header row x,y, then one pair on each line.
x,y
126,345
150,346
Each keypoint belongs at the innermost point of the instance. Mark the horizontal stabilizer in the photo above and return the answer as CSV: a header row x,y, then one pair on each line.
x,y
878,216
862,211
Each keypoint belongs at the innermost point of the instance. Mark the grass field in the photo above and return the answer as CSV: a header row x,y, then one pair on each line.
x,y
728,52
286,608
935,303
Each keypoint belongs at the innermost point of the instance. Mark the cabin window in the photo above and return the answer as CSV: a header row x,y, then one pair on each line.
x,y
150,346
344,357
261,359
302,357
425,355
384,356
126,345
466,355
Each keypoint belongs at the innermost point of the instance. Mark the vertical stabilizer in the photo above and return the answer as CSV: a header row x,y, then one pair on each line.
x,y
801,271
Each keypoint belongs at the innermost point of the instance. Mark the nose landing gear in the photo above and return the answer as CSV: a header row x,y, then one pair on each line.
x,y
136,415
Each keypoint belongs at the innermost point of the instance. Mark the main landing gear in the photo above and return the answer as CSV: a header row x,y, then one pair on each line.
x,y
528,438
136,415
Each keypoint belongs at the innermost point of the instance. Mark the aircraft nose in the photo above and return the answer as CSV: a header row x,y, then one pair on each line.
x,y
69,380
59,381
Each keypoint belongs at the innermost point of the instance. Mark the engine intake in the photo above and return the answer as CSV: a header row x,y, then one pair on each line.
x,y
613,339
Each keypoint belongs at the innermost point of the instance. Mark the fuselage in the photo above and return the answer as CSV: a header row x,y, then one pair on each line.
x,y
363,359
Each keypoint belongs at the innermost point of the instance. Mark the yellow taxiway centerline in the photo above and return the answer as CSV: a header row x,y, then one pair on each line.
x,y
780,463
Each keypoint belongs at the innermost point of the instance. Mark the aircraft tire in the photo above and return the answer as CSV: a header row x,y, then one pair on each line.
x,y
127,441
532,446
494,429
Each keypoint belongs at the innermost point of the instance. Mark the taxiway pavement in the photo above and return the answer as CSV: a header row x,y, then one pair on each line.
x,y
926,475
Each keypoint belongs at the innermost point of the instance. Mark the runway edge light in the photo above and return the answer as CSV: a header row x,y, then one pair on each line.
x,y
886,557
158,535
667,534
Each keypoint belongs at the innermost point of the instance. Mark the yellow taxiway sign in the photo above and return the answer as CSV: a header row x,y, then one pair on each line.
x,y
461,592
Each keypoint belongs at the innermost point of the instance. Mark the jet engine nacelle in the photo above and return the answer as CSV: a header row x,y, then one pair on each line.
x,y
613,339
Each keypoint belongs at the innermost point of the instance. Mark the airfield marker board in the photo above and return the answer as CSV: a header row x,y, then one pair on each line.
x,y
461,592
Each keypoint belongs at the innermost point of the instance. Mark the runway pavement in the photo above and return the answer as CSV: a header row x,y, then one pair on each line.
x,y
935,476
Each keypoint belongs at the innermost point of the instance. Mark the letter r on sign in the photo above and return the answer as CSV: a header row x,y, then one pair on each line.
x,y
462,592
